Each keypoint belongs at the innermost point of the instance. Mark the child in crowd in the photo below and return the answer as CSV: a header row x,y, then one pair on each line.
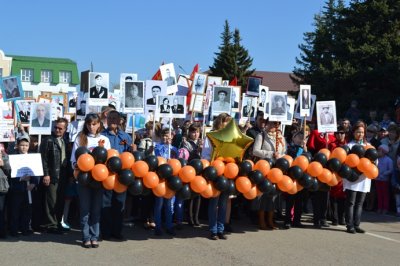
x,y
385,166
20,203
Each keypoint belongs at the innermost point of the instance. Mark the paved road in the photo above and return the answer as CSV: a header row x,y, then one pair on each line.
x,y
247,246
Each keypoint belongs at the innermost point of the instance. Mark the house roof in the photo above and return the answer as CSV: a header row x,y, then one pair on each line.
x,y
277,81
45,63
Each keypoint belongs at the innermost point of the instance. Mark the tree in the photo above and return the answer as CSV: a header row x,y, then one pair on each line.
x,y
233,59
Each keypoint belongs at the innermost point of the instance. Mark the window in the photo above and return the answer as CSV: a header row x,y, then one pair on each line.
x,y
28,94
65,77
26,75
46,76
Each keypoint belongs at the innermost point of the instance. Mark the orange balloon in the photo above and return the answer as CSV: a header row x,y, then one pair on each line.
x,y
364,165
314,169
288,158
85,162
100,172
127,160
229,160
325,176
112,153
369,146
208,192
251,194
231,170
205,163
161,160
275,175
298,186
220,158
333,182
263,166
219,166
338,177
118,187
259,193
187,173
302,162
140,168
151,180
109,182
198,184
243,184
326,152
294,188
372,172
352,160
176,166
160,190
215,191
285,184
339,153
169,193
252,163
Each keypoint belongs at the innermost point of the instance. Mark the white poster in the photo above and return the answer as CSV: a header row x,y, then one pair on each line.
x,y
305,100
297,108
277,106
168,75
134,96
98,89
326,116
172,106
291,103
7,133
26,164
40,123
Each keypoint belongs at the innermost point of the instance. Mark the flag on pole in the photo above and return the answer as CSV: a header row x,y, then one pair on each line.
x,y
157,75
233,81
189,95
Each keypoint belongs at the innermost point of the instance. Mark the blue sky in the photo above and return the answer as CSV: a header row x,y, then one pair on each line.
x,y
136,36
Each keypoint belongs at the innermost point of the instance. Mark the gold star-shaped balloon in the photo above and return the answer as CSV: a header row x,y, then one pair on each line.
x,y
229,142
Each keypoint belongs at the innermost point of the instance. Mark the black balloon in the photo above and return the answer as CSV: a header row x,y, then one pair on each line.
x,y
139,156
92,183
346,148
295,172
152,161
146,191
221,183
210,173
282,164
321,158
99,154
358,150
174,183
81,150
345,171
126,177
197,165
270,161
273,191
353,176
83,178
334,164
308,155
164,171
136,188
184,193
371,154
256,177
183,162
231,187
306,181
114,164
314,185
265,186
244,168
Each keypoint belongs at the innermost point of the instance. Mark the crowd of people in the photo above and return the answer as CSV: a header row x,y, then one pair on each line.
x,y
58,199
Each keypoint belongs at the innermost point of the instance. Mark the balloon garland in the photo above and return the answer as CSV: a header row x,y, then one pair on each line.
x,y
165,178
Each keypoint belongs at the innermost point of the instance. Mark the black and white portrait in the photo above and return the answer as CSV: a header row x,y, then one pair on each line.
x,y
11,88
98,88
172,106
249,107
253,84
134,100
326,116
305,100
40,118
221,100
168,75
199,83
262,98
24,110
153,89
312,105
277,106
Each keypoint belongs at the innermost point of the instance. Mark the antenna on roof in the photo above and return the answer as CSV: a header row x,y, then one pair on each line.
x,y
91,66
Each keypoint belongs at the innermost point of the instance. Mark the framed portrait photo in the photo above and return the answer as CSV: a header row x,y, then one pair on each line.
x,y
263,98
168,75
199,83
98,89
249,107
11,88
23,110
277,106
134,96
253,83
221,100
291,103
326,116
297,108
40,119
305,100
59,98
172,106
213,81
235,99
7,133
196,103
72,99
154,88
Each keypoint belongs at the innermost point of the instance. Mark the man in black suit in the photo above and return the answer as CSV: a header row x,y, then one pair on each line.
x,y
263,98
234,104
98,91
41,120
155,90
82,111
24,113
177,108
248,110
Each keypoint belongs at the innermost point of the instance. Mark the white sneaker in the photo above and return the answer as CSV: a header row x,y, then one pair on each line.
x,y
64,225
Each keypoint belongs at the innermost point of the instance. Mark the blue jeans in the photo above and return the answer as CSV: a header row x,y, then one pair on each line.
x,y
217,213
178,209
159,203
90,201
112,213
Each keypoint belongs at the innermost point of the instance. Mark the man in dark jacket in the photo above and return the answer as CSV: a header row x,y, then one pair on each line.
x,y
54,159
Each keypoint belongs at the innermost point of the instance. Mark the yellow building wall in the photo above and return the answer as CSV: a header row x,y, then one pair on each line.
x,y
5,64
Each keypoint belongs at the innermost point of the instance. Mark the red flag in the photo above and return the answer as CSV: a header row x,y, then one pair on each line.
x,y
233,81
157,75
189,95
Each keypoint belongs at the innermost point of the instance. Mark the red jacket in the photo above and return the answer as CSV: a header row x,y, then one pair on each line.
x,y
317,141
